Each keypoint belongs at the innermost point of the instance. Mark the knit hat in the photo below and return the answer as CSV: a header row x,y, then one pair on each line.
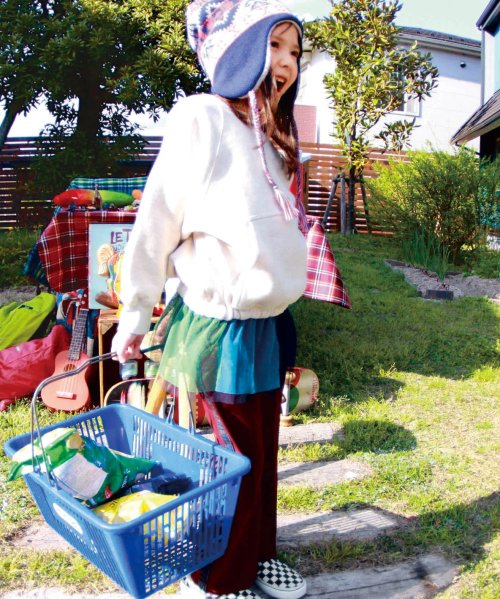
x,y
231,39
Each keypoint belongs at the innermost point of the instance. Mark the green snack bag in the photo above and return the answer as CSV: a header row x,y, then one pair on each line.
x,y
86,470
60,445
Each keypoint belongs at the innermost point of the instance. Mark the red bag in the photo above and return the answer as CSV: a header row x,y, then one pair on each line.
x,y
25,365
324,281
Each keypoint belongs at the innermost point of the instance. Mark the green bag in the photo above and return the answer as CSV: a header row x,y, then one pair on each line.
x,y
86,470
21,321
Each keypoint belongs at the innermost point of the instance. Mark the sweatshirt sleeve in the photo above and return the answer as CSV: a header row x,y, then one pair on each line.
x,y
181,171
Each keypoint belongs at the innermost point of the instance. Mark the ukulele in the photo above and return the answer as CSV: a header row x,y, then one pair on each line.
x,y
71,393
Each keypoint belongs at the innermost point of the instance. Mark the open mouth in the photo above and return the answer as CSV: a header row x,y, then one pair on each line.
x,y
280,84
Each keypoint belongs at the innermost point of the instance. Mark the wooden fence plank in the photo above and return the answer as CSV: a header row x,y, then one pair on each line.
x,y
328,162
19,208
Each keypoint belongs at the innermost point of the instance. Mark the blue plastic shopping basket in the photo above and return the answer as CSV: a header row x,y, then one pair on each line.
x,y
160,547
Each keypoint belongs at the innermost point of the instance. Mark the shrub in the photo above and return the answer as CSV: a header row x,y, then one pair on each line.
x,y
442,196
425,251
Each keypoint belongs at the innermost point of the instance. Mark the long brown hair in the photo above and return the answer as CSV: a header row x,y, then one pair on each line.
x,y
278,125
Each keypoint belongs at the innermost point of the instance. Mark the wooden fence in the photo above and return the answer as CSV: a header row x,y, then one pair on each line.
x,y
20,208
327,163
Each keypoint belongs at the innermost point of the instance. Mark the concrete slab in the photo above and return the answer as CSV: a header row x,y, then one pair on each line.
x,y
297,530
55,593
40,537
299,434
420,578
319,474
416,579
294,530
316,432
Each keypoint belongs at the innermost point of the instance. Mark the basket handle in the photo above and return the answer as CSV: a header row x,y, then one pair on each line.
x,y
35,423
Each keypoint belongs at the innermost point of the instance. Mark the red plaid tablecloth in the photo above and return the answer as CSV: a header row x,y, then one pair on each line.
x,y
63,246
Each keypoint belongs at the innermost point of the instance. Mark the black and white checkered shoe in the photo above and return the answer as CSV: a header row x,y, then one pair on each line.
x,y
279,580
190,590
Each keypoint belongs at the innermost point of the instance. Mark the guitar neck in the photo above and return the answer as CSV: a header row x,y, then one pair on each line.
x,y
75,348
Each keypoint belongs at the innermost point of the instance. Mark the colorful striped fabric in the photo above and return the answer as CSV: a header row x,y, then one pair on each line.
x,y
125,185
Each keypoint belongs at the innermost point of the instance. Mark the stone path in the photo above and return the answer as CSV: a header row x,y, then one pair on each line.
x,y
320,474
300,434
459,285
414,579
421,578
298,530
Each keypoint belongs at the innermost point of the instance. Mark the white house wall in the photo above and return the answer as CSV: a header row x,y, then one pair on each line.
x,y
491,69
452,102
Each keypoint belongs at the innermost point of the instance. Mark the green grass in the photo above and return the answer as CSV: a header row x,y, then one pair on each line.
x,y
414,384
485,263
14,247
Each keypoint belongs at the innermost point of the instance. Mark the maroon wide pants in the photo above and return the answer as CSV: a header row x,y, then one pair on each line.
x,y
253,428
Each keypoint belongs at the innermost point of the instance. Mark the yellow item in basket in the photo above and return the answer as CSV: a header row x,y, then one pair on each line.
x,y
169,527
125,509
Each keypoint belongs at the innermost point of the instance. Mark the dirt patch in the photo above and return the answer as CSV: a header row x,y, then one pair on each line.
x,y
456,283
17,294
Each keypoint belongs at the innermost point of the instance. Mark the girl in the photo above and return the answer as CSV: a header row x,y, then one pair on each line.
x,y
217,214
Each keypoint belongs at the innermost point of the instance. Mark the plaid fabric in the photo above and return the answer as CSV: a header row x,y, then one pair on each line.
x,y
33,267
63,246
113,183
324,281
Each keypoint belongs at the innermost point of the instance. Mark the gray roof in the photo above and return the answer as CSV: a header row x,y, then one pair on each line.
x,y
490,15
426,37
482,121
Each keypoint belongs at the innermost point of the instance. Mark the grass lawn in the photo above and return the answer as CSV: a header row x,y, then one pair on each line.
x,y
415,385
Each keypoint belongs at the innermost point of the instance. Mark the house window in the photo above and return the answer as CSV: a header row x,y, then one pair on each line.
x,y
409,106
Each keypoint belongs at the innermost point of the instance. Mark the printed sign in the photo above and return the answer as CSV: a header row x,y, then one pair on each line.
x,y
106,244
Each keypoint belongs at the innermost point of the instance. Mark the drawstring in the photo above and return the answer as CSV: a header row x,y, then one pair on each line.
x,y
299,204
288,210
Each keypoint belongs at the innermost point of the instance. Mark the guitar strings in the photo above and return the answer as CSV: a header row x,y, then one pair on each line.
x,y
70,386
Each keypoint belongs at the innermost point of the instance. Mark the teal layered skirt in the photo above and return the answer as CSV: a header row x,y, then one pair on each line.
x,y
232,358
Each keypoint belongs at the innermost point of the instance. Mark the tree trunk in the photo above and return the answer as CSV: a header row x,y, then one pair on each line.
x,y
89,113
352,195
7,122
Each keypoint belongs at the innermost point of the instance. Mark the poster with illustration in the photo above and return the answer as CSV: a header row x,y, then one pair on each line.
x,y
106,244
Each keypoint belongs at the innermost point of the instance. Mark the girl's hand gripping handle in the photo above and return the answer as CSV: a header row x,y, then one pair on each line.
x,y
127,346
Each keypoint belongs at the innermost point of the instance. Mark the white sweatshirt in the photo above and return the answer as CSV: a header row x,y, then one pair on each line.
x,y
209,217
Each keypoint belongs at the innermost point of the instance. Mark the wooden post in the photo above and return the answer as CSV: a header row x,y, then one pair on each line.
x,y
352,212
365,204
342,205
333,191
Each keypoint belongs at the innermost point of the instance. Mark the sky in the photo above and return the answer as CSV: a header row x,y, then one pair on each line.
x,y
457,17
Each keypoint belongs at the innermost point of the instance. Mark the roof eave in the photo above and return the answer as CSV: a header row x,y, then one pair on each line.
x,y
441,44
490,14
473,133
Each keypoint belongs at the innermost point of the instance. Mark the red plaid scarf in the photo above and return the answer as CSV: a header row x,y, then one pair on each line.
x,y
324,281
